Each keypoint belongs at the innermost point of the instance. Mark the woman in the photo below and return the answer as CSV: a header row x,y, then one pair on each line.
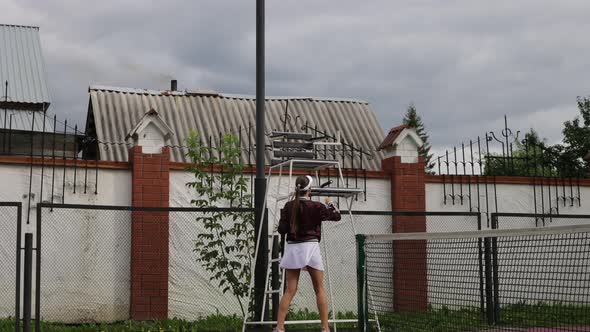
x,y
301,220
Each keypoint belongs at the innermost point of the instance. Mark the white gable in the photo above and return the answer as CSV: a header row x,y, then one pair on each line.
x,y
406,146
151,133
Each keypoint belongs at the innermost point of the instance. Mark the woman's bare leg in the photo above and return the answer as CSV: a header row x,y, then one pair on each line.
x,y
317,278
292,279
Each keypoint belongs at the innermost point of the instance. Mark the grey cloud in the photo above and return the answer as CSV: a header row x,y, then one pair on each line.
x,y
463,63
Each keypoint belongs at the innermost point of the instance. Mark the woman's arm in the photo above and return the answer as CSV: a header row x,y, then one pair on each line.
x,y
330,211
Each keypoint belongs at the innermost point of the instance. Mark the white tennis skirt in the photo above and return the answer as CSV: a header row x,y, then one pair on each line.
x,y
302,255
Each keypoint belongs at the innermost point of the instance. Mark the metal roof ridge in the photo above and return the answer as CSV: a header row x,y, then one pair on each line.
x,y
132,90
19,26
95,87
240,96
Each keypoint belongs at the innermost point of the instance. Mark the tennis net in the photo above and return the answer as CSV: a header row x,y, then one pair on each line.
x,y
470,281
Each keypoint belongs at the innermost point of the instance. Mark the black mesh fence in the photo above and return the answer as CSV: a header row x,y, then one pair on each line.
x,y
530,220
420,284
85,270
85,264
9,219
468,281
338,252
85,273
209,265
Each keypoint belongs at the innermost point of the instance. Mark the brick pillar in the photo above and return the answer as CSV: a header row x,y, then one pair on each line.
x,y
409,257
149,235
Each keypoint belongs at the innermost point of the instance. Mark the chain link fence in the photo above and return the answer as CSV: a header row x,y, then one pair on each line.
x,y
86,256
531,220
199,263
10,220
85,271
85,265
339,252
533,278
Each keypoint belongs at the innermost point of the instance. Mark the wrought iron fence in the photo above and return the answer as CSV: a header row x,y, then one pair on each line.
x,y
472,169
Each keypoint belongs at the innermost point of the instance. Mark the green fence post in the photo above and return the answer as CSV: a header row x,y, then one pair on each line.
x,y
361,282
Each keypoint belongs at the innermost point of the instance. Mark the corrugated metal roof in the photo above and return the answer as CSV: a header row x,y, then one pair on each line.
x,y
22,65
23,120
114,112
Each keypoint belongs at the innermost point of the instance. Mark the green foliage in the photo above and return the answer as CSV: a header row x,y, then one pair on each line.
x,y
576,136
535,157
413,120
530,157
226,249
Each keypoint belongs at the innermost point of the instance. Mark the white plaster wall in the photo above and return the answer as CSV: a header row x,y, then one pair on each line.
x,y
407,150
151,139
511,198
188,281
85,254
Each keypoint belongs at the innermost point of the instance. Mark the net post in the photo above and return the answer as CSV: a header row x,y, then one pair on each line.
x,y
361,283
488,281
27,283
495,278
480,256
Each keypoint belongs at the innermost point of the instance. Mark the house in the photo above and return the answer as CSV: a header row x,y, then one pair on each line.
x,y
114,111
25,127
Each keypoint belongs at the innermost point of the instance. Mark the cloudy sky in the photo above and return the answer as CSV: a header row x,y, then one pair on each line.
x,y
463,63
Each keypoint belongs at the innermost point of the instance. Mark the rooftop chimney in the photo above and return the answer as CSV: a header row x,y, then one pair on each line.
x,y
173,85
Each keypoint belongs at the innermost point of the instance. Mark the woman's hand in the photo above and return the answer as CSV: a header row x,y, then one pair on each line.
x,y
328,201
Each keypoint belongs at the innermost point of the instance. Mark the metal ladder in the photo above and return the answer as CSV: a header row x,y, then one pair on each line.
x,y
297,156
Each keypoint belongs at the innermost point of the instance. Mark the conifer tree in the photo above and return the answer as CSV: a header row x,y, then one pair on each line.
x,y
413,120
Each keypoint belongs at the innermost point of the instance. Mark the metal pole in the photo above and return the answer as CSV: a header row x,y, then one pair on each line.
x,y
360,279
482,297
489,287
260,181
38,270
28,282
31,169
42,155
19,216
495,278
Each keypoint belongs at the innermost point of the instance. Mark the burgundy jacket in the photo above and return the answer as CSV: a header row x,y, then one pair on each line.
x,y
311,215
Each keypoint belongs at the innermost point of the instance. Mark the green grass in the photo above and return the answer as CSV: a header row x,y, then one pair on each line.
x,y
306,314
518,315
435,320
214,323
